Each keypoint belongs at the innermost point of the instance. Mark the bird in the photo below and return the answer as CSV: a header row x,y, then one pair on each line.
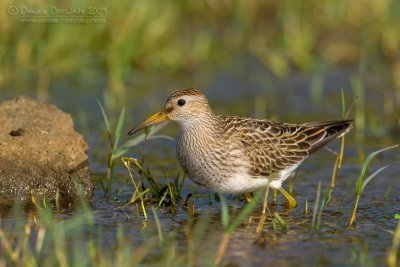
x,y
232,154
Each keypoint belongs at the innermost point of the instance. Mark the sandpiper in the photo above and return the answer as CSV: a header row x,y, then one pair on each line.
x,y
231,154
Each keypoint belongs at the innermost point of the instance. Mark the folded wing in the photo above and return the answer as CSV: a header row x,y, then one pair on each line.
x,y
274,146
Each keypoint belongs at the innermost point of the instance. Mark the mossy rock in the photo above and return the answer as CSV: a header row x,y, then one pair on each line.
x,y
40,154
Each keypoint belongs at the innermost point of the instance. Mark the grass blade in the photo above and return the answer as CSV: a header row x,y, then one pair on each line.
x,y
234,223
362,181
368,160
105,118
159,230
343,102
369,178
245,211
140,138
224,211
316,204
280,221
120,152
118,129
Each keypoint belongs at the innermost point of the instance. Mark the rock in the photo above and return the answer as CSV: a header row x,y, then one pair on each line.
x,y
40,153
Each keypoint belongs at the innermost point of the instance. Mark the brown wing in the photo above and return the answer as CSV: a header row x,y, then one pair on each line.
x,y
274,146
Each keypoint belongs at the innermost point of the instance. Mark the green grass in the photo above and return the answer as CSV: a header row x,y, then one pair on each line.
x,y
231,224
116,151
137,38
157,193
363,180
73,242
279,221
316,206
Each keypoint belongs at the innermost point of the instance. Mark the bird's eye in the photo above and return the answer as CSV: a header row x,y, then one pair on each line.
x,y
181,102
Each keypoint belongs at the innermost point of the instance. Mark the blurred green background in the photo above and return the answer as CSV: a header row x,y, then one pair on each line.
x,y
137,47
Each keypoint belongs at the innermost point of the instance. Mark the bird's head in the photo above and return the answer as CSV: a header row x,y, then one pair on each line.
x,y
183,106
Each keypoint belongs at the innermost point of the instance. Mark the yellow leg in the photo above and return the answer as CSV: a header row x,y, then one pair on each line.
x,y
289,198
248,196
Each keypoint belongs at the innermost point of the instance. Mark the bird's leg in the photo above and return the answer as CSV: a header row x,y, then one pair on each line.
x,y
274,196
248,196
289,198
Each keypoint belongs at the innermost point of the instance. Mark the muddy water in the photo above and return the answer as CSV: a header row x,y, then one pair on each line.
x,y
287,100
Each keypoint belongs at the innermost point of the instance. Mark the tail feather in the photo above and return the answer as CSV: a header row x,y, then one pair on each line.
x,y
325,132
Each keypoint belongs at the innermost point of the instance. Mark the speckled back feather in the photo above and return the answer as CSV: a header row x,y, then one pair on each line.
x,y
275,146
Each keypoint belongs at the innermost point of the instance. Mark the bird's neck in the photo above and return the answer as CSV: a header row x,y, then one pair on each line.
x,y
203,127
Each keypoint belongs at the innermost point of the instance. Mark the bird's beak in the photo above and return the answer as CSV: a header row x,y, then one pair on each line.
x,y
154,119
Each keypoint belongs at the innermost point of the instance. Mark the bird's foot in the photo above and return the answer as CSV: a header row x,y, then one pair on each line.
x,y
291,201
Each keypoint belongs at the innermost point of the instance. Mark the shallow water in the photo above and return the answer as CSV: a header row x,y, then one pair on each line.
x,y
333,245
289,100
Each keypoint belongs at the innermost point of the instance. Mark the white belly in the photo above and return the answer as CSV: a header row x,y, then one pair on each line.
x,y
241,182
